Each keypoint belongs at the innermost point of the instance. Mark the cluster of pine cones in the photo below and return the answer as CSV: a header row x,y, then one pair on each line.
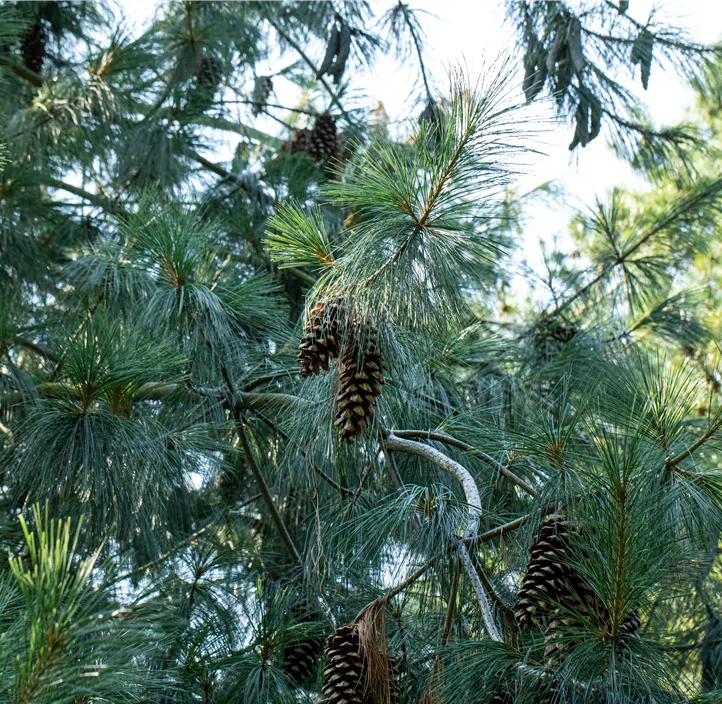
x,y
345,675
321,142
327,335
554,596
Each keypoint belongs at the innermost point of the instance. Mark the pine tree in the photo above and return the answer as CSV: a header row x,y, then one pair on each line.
x,y
255,406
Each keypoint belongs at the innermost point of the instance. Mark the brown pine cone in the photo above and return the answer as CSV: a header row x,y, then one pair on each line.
x,y
321,338
322,141
545,575
360,382
343,674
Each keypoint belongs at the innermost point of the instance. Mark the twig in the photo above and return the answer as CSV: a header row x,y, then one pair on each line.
x,y
445,634
472,540
694,447
405,9
23,72
357,493
622,257
391,463
265,492
93,198
38,349
336,485
273,105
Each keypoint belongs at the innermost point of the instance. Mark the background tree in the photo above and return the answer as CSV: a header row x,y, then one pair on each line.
x,y
284,401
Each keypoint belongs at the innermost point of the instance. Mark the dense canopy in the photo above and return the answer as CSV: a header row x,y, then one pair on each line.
x,y
279,419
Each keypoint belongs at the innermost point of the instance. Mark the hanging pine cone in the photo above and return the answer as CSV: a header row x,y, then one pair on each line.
x,y
544,581
556,595
300,659
321,338
210,71
360,382
32,48
298,143
343,674
322,141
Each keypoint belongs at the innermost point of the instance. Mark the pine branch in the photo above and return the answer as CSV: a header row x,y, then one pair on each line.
x,y
159,391
265,491
695,446
22,71
685,206
102,202
449,440
474,502
38,349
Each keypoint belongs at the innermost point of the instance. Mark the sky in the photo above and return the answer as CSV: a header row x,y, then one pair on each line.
x,y
472,33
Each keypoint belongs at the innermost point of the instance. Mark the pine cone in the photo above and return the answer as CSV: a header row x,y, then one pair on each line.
x,y
543,582
343,673
556,595
298,143
360,382
321,338
210,72
300,659
322,141
32,48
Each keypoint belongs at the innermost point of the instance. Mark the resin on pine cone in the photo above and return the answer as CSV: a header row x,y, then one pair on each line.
x,y
360,382
322,143
343,674
321,338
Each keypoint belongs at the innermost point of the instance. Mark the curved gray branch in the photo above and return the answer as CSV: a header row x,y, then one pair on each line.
x,y
471,492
